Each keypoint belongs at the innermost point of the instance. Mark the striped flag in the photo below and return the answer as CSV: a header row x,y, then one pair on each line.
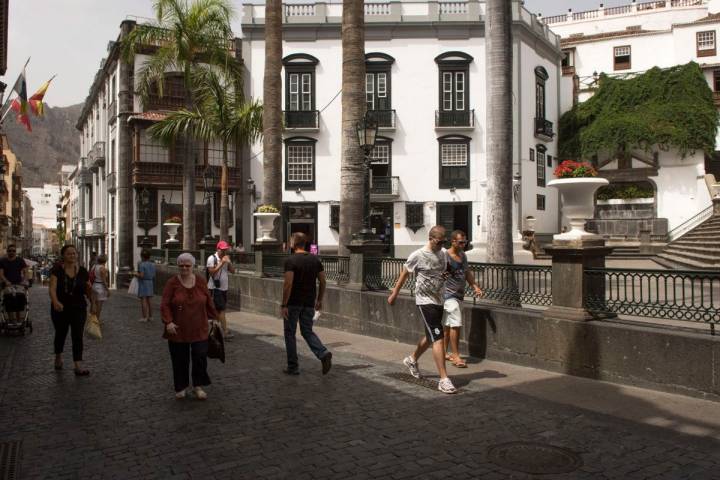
x,y
36,101
20,104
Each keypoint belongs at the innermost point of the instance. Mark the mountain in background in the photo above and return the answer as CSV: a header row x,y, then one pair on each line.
x,y
53,142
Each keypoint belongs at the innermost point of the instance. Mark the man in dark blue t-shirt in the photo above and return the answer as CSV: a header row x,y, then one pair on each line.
x,y
300,301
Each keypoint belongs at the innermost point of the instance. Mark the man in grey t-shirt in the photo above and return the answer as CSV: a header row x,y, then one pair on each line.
x,y
429,265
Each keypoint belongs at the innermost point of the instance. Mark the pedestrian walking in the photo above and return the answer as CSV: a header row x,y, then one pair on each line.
x,y
301,299
146,285
99,281
458,274
13,273
186,307
69,290
429,264
218,266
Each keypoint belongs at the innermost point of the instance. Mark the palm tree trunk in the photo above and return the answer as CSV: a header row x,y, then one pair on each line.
x,y
188,197
498,57
272,113
224,204
353,109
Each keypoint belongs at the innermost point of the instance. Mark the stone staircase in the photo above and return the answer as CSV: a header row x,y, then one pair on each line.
x,y
697,249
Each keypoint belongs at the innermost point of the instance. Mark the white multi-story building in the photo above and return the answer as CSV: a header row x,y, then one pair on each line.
x,y
425,85
44,202
632,38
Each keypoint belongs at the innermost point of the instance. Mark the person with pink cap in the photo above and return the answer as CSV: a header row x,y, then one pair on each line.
x,y
218,266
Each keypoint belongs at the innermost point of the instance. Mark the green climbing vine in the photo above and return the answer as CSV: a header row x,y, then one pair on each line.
x,y
658,109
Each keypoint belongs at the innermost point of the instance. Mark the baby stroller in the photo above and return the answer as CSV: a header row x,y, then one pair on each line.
x,y
15,299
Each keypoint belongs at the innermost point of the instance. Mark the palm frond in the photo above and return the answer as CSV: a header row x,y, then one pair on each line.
x,y
182,123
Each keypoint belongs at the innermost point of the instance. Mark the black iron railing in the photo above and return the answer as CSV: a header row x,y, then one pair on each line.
x,y
157,255
513,284
385,186
381,273
455,118
384,118
544,127
301,118
243,260
273,264
673,294
337,269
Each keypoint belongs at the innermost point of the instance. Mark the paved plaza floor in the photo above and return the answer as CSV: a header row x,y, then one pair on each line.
x,y
362,420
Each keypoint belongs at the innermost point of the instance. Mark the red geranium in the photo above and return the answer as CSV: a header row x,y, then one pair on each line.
x,y
573,169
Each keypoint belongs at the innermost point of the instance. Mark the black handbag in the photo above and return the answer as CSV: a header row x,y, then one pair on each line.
x,y
216,343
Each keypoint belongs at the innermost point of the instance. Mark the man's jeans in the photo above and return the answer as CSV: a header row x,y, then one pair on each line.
x,y
305,316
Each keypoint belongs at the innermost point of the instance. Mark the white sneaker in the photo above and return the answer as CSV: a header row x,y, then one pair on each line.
x,y
142,320
180,395
446,386
200,393
412,366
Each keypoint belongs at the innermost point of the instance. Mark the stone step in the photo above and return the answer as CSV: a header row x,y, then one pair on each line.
x,y
696,243
697,237
712,251
707,261
681,263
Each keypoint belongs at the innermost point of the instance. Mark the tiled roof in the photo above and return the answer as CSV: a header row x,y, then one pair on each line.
x,y
151,116
712,17
601,36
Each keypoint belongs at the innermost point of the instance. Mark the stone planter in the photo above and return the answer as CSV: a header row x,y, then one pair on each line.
x,y
172,230
577,204
265,226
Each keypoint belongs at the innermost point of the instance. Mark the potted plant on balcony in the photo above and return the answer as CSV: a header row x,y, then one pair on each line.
x,y
577,183
172,224
266,215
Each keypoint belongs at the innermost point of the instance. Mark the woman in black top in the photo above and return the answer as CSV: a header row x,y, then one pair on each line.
x,y
69,287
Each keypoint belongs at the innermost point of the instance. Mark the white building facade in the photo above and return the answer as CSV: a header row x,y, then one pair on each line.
x,y
425,85
632,38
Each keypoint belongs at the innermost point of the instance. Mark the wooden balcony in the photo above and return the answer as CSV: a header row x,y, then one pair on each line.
x,y
716,99
170,175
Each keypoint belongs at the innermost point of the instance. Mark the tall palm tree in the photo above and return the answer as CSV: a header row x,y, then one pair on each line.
x,y
186,35
353,108
272,98
220,113
498,59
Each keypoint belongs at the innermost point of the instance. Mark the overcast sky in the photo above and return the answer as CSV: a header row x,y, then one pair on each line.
x,y
69,38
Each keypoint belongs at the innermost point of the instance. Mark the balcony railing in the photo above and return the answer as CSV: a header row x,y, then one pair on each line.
x,y
544,128
386,186
384,118
455,119
112,112
96,157
95,227
171,175
302,119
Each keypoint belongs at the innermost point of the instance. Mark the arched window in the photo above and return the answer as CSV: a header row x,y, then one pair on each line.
x,y
300,110
454,93
378,88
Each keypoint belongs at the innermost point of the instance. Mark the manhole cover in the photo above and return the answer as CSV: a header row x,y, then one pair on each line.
x,y
537,458
10,460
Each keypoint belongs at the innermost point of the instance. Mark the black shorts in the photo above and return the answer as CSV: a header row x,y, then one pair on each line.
x,y
219,299
432,316
14,302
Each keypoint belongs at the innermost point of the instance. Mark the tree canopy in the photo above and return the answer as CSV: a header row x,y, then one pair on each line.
x,y
658,109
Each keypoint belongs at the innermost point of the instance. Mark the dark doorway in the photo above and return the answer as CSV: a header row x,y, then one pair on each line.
x,y
455,216
300,217
381,215
712,164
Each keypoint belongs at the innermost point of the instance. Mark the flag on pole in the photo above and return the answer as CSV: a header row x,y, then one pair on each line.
x,y
36,101
20,104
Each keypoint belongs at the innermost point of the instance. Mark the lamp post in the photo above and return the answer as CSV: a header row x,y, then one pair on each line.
x,y
144,207
209,179
367,133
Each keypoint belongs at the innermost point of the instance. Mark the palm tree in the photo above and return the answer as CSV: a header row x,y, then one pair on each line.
x,y
220,113
498,59
186,35
272,98
353,108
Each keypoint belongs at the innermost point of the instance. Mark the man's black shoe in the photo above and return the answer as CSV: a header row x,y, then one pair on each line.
x,y
291,371
326,362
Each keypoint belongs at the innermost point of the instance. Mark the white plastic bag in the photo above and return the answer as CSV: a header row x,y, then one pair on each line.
x,y
134,286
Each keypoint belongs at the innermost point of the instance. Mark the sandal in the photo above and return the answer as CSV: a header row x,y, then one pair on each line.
x,y
58,365
458,362
81,372
448,357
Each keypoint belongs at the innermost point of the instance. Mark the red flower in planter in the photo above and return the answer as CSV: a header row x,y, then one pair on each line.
x,y
573,169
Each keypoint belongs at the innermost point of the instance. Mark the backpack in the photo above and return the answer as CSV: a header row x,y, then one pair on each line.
x,y
207,270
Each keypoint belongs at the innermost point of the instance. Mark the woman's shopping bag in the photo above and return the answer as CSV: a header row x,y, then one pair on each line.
x,y
134,286
92,326
216,343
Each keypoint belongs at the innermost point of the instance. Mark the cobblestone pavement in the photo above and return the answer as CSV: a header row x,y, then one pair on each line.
x,y
355,423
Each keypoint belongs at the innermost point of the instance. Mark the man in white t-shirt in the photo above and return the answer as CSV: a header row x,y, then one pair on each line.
x,y
429,265
218,267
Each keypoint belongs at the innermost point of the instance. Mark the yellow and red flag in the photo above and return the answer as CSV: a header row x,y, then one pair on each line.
x,y
36,101
20,104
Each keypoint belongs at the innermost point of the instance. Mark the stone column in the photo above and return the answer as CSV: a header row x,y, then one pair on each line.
x,y
570,286
261,248
125,217
359,269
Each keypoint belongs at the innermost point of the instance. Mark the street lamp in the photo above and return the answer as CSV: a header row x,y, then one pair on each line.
x,y
209,180
144,204
367,133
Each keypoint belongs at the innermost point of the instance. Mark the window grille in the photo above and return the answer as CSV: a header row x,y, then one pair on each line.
x,y
532,155
540,169
453,155
300,163
414,216
706,40
335,217
152,150
380,155
540,202
621,57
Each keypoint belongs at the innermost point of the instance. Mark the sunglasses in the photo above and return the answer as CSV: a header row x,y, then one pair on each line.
x,y
185,266
460,241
